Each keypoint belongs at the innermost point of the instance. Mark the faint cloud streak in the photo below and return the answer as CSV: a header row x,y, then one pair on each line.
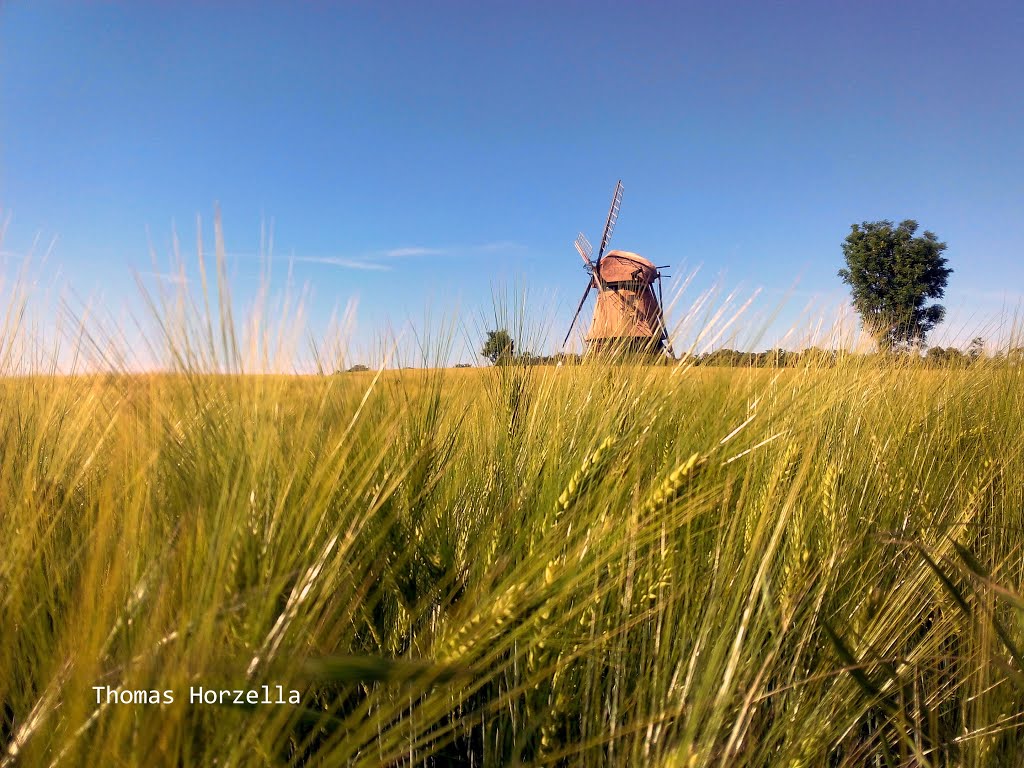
x,y
167,277
336,261
500,245
453,250
377,261
401,253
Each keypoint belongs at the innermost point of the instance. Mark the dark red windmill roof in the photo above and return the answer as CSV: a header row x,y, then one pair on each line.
x,y
623,266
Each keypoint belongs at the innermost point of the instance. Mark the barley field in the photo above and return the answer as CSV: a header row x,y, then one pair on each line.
x,y
596,564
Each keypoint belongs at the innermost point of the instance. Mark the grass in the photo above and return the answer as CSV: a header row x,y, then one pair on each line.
x,y
590,565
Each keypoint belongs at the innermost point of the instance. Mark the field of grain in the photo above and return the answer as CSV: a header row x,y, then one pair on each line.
x,y
586,565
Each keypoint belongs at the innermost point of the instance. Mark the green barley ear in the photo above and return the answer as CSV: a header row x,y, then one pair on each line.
x,y
584,475
830,498
771,490
674,483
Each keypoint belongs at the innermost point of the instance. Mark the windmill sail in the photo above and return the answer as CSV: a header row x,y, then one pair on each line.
x,y
590,284
585,250
609,224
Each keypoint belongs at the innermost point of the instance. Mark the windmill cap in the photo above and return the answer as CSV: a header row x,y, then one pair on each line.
x,y
623,266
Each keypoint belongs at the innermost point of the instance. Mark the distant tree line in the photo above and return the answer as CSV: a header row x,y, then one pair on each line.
x,y
772,358
935,357
500,350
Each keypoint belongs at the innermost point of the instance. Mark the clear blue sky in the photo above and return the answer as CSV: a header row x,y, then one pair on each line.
x,y
414,155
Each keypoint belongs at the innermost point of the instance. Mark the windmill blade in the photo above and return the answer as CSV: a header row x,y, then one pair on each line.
x,y
661,307
609,224
585,250
583,255
590,284
665,340
586,245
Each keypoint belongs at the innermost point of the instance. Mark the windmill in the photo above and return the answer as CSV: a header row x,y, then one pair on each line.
x,y
629,315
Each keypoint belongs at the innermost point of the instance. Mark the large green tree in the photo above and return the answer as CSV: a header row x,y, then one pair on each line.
x,y
499,347
892,274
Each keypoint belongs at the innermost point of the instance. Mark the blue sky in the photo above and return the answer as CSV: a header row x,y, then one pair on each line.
x,y
421,156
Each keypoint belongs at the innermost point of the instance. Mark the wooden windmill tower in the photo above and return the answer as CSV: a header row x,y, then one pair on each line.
x,y
629,316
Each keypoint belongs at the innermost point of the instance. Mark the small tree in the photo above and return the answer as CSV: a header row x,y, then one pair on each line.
x,y
499,347
976,349
937,356
892,274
